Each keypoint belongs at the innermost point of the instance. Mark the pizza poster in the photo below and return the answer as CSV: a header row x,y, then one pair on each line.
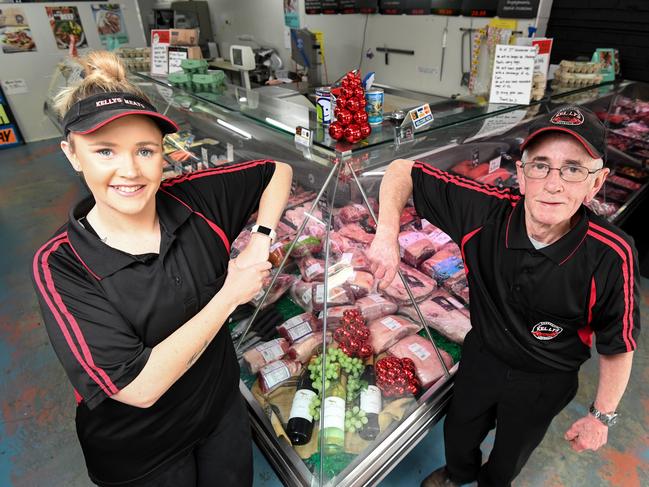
x,y
66,26
15,34
110,24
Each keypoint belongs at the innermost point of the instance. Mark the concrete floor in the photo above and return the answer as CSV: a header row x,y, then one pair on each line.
x,y
38,445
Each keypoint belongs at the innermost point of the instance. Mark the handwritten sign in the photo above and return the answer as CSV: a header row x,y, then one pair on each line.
x,y
511,81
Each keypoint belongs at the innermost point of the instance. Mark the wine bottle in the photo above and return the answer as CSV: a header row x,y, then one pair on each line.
x,y
370,403
300,423
333,427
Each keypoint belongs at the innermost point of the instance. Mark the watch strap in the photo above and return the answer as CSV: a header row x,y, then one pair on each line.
x,y
264,231
609,419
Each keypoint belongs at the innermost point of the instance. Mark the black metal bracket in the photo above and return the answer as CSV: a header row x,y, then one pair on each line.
x,y
389,50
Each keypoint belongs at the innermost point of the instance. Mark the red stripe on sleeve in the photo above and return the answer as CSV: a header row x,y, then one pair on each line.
x,y
57,307
465,239
626,247
216,170
625,274
586,333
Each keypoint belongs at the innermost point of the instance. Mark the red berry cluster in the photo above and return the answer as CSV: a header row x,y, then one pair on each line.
x,y
349,112
396,377
353,335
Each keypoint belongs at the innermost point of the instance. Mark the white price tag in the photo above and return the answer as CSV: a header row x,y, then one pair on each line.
x,y
302,136
494,164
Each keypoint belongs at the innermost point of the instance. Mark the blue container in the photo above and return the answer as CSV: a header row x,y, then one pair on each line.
x,y
374,106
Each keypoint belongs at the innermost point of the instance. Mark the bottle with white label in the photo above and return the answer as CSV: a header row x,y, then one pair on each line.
x,y
370,403
333,427
300,423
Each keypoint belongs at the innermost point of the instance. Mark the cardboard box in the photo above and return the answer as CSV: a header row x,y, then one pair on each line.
x,y
183,37
178,53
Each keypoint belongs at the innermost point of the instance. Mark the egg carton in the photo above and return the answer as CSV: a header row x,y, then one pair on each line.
x,y
575,80
581,67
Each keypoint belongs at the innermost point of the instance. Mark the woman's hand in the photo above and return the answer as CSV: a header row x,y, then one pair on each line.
x,y
257,251
244,283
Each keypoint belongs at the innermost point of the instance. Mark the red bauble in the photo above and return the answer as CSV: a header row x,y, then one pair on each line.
x,y
363,103
366,130
353,105
352,133
365,351
336,131
345,117
345,82
360,118
359,92
347,92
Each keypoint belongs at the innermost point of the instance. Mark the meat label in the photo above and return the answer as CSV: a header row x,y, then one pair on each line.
x,y
270,350
419,351
274,374
390,323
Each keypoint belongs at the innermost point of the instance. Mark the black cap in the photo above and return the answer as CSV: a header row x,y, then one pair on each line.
x,y
95,111
577,121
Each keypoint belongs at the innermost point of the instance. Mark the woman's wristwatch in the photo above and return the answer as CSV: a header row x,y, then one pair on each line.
x,y
609,419
269,232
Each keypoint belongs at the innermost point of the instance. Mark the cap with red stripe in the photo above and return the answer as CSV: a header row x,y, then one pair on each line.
x,y
96,111
577,121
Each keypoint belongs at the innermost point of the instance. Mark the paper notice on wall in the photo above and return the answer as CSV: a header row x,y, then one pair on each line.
x,y
159,54
511,81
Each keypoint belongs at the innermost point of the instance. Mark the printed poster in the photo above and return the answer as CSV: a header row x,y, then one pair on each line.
x,y
110,24
291,14
66,23
15,34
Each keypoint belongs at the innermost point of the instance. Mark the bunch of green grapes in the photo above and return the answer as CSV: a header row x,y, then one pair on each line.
x,y
355,418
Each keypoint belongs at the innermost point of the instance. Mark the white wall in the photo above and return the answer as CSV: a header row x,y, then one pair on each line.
x,y
344,34
37,68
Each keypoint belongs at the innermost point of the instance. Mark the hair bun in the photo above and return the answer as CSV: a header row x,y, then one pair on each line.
x,y
105,66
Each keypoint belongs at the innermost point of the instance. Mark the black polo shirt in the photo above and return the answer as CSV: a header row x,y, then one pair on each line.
x,y
105,310
535,309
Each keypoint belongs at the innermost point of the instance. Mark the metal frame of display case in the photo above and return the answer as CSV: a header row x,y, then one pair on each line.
x,y
314,165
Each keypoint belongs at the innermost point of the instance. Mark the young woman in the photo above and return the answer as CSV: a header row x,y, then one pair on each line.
x,y
134,290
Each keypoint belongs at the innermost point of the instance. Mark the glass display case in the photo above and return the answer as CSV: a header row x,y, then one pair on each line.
x,y
343,379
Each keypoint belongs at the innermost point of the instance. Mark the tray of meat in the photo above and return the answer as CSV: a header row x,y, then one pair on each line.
x,y
636,173
408,216
443,313
456,283
439,239
356,233
302,294
282,284
336,296
339,244
375,306
353,213
388,330
357,259
277,373
443,264
415,247
624,182
420,284
499,177
610,192
298,327
420,350
304,349
360,283
335,315
312,269
265,353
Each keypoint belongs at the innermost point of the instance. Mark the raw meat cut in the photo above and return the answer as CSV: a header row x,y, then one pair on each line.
x,y
360,283
282,284
335,314
337,296
456,283
298,327
375,306
312,269
357,259
265,353
495,178
443,313
303,349
276,373
421,352
339,244
415,247
624,182
302,294
439,239
388,330
356,233
420,284
443,264
353,213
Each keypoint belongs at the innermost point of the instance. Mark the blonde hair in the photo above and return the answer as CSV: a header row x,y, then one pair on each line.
x,y
103,73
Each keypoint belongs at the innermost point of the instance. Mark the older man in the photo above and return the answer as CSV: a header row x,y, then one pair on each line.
x,y
545,274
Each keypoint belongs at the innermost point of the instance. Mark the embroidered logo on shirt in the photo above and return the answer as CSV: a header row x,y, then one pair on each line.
x,y
568,116
546,330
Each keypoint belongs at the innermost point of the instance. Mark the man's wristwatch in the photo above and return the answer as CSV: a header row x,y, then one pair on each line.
x,y
609,419
265,231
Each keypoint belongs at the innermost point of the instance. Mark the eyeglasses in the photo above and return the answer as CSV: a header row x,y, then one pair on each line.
x,y
569,172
